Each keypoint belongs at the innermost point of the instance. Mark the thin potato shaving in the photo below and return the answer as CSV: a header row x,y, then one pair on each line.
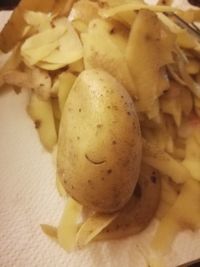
x,y
92,227
42,114
191,83
49,49
68,226
85,10
145,41
68,42
41,45
158,159
169,194
49,230
109,12
178,218
139,210
97,45
38,21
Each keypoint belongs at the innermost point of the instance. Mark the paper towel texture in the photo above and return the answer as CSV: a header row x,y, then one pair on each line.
x,y
28,197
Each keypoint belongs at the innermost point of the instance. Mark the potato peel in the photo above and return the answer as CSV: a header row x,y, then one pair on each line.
x,y
109,12
68,42
92,227
38,20
158,158
140,209
97,45
41,112
13,30
40,45
68,225
177,218
49,230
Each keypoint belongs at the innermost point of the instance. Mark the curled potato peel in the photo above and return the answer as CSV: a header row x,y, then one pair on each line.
x,y
140,209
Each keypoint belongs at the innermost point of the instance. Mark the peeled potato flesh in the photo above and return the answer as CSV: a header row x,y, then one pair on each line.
x,y
68,225
39,21
69,48
41,113
166,164
40,45
92,227
146,41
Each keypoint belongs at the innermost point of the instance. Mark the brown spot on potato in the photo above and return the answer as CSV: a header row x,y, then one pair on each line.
x,y
52,24
115,107
114,142
138,191
99,126
112,31
148,37
54,96
153,179
109,171
79,110
37,124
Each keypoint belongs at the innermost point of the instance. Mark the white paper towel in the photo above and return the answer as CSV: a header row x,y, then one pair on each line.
x,y
28,197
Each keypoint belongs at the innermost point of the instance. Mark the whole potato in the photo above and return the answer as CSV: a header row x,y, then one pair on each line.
x,y
99,146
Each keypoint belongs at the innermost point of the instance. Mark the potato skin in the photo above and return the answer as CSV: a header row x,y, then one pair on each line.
x,y
99,147
136,215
